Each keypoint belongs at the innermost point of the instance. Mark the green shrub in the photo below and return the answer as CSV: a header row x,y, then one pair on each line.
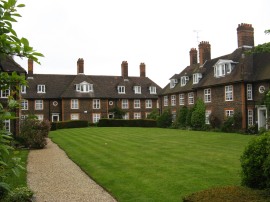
x,y
252,129
69,124
127,123
198,115
232,123
181,115
188,118
33,133
153,115
214,121
21,194
165,119
255,163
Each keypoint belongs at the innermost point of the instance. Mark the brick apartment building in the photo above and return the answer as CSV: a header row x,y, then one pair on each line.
x,y
229,83
88,97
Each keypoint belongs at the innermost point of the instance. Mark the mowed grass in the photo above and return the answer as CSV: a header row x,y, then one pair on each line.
x,y
153,164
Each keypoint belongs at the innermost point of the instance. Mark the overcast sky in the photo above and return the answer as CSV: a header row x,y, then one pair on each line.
x,y
159,33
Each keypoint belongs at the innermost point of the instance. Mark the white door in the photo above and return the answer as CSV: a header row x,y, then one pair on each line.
x,y
55,117
262,117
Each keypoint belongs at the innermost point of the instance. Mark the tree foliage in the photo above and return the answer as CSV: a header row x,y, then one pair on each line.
x,y
198,115
153,115
165,119
117,113
10,43
181,117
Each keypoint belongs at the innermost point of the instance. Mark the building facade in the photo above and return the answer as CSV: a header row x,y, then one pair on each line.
x,y
236,82
88,97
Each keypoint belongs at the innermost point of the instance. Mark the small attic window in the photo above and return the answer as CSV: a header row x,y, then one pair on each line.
x,y
153,89
121,89
184,80
223,67
137,89
84,87
196,78
173,83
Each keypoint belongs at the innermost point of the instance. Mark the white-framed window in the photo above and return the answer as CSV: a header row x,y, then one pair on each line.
x,y
74,104
84,87
173,83
223,67
74,116
249,92
96,103
147,114
5,93
148,104
250,117
137,115
229,112
126,116
182,99
153,89
38,104
23,89
184,80
191,98
41,88
40,117
121,89
173,100
7,125
207,95
23,117
196,78
137,90
96,117
124,103
229,93
165,100
207,114
137,104
24,104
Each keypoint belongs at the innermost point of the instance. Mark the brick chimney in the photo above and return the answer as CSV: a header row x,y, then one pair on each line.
x,y
204,51
193,53
30,67
80,66
142,70
124,68
245,35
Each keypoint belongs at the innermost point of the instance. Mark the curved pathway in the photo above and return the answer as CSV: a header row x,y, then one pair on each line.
x,y
54,177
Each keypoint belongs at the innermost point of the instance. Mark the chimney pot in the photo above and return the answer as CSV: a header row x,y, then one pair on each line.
x,y
204,51
80,66
245,35
142,70
193,56
124,68
30,67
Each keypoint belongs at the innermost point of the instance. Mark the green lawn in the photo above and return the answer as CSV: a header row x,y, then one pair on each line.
x,y
152,164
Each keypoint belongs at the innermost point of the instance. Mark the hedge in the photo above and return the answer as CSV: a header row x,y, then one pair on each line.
x,y
127,123
69,124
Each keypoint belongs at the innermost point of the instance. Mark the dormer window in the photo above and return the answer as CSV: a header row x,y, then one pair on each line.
x,y
84,87
121,89
137,89
196,78
41,89
173,83
153,90
23,89
223,67
184,80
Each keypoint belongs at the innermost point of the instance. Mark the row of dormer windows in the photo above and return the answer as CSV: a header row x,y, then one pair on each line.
x,y
137,89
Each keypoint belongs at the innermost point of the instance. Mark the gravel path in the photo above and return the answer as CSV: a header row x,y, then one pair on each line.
x,y
54,177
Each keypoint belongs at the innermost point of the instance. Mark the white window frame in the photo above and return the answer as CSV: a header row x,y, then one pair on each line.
x,y
7,125
96,103
207,95
41,88
249,92
121,89
190,98
74,104
173,83
229,112
165,101
125,104
96,117
137,89
23,117
39,105
223,67
5,93
74,116
40,117
229,93
173,100
250,117
23,89
153,89
24,104
148,104
184,80
137,115
182,99
196,78
207,114
137,104
126,116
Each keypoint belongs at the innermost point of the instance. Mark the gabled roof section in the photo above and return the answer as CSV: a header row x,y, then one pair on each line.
x,y
7,64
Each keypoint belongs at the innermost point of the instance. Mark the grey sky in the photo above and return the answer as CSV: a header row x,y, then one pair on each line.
x,y
159,33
